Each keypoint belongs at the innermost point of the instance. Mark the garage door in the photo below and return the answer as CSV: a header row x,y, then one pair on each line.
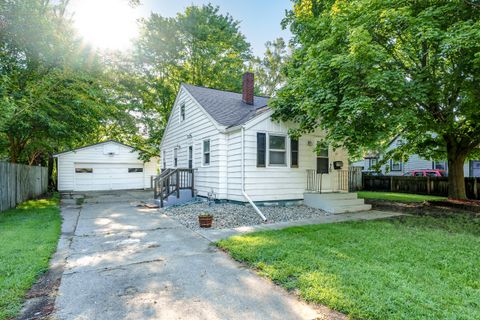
x,y
108,176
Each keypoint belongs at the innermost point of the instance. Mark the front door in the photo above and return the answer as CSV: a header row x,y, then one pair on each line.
x,y
190,157
323,166
322,159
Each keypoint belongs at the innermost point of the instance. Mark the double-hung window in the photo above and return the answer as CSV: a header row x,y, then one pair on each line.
x,y
277,150
206,152
439,165
372,162
261,149
164,159
294,153
175,157
395,165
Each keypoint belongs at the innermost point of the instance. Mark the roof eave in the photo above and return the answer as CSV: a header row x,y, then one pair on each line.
x,y
91,145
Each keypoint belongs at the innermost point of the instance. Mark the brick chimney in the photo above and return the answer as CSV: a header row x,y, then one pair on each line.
x,y
247,88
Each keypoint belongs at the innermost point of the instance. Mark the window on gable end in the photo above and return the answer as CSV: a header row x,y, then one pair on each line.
x,y
182,112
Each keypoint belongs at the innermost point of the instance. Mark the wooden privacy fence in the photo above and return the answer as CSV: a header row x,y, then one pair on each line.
x,y
20,182
437,186
354,179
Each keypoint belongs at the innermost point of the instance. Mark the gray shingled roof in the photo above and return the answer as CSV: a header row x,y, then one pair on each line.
x,y
227,108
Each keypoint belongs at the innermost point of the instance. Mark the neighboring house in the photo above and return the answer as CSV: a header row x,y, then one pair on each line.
x,y
108,165
238,151
415,162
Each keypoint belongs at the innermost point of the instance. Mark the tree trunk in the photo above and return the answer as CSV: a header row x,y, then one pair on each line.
x,y
456,179
52,182
15,149
14,154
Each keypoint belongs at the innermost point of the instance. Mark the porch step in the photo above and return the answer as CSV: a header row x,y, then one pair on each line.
x,y
345,209
343,202
334,195
336,202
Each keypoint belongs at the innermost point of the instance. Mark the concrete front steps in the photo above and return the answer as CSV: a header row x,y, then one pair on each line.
x,y
339,202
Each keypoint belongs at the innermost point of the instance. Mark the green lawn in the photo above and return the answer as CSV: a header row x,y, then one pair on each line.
x,y
406,268
28,238
397,196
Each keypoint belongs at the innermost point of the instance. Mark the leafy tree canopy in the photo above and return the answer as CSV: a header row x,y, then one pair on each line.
x,y
199,46
367,70
55,92
269,76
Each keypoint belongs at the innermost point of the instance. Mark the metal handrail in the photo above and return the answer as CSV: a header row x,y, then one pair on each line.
x,y
339,179
172,181
314,181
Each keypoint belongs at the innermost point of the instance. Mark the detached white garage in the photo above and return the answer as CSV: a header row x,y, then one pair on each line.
x,y
108,165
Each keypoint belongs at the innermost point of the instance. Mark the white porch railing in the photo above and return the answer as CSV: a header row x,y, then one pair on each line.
x,y
340,180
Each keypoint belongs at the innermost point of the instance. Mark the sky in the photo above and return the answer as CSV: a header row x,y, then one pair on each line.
x,y
259,19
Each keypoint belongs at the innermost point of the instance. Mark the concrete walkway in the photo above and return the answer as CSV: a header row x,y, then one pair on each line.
x,y
128,262
218,234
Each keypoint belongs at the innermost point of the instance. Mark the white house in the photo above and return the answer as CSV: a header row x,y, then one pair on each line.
x,y
238,152
414,162
108,165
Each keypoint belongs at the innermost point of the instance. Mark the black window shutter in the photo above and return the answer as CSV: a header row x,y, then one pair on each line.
x,y
294,153
261,149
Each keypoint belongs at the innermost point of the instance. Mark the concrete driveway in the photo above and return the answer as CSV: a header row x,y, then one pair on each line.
x,y
129,262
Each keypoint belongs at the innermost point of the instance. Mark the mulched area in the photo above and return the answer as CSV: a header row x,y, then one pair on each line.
x,y
229,215
436,207
459,204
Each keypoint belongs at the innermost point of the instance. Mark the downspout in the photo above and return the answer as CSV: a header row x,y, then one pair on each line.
x,y
243,179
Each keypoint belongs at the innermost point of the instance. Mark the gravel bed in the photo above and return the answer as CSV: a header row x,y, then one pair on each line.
x,y
228,215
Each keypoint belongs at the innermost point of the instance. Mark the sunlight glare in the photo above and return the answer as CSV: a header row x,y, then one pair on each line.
x,y
107,24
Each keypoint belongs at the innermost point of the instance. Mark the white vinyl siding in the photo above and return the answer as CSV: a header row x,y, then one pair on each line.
x,y
197,127
224,173
273,182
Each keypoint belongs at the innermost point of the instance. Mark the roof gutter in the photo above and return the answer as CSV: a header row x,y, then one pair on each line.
x,y
232,129
243,179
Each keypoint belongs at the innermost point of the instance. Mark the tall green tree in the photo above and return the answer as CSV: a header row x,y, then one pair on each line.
x,y
367,70
269,75
55,91
200,46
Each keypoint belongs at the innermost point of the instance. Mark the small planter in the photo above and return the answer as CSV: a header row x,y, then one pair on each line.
x,y
205,220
